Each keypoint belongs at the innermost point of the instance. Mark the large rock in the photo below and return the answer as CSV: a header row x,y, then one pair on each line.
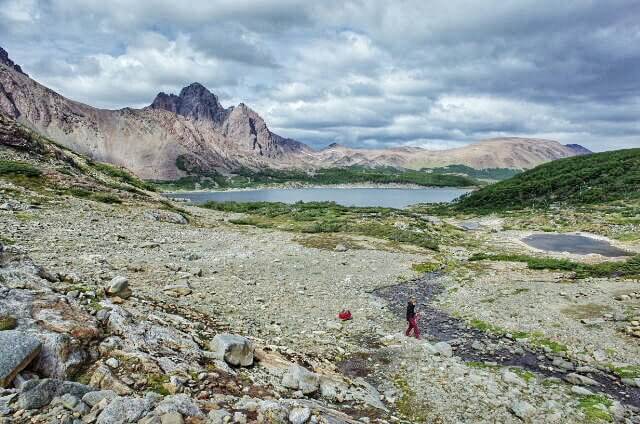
x,y
235,350
38,393
123,410
580,380
119,286
444,349
181,403
299,378
17,350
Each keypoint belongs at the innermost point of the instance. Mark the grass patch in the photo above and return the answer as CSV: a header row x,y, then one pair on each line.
x,y
401,226
155,383
629,269
426,267
630,371
327,242
106,198
123,175
526,375
7,322
535,339
595,408
408,405
12,168
481,365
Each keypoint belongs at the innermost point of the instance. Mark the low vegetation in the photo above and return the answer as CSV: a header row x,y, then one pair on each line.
x,y
623,269
244,178
582,180
393,225
121,174
496,174
596,408
15,168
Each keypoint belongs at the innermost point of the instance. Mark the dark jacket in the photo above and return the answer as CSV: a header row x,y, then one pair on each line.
x,y
411,310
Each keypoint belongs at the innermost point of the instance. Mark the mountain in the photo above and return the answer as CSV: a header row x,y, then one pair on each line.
x,y
587,179
510,152
192,133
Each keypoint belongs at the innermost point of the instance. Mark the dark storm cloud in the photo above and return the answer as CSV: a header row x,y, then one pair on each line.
x,y
365,73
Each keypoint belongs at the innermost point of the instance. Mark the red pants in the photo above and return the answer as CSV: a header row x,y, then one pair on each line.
x,y
413,325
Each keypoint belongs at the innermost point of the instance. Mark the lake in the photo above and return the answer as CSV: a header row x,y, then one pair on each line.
x,y
573,243
383,197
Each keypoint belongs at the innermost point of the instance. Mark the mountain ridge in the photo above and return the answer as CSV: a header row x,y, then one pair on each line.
x,y
194,130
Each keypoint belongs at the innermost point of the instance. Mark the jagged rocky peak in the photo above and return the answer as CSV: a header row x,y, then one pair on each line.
x,y
5,60
194,101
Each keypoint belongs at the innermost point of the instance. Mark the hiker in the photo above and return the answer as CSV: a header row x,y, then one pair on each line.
x,y
412,316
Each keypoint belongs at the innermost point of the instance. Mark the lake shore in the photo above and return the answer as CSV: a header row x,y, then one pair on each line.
x,y
296,185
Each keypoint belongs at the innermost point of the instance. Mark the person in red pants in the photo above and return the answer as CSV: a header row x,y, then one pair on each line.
x,y
412,316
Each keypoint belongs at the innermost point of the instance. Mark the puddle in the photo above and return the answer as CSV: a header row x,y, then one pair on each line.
x,y
573,243
437,325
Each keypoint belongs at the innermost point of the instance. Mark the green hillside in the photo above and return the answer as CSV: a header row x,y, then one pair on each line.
x,y
591,179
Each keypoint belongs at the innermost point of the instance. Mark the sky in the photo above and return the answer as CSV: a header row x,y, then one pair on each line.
x,y
363,73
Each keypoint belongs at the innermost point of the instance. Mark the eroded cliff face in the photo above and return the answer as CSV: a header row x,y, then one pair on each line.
x,y
193,132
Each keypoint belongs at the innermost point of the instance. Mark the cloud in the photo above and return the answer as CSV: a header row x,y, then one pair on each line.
x,y
359,72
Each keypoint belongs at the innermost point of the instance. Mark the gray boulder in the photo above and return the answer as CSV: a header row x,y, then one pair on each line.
x,y
119,286
235,350
522,409
219,416
580,380
299,415
38,393
444,349
179,403
93,398
17,350
123,410
299,378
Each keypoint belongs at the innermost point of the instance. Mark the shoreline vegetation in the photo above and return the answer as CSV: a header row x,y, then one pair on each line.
x,y
457,176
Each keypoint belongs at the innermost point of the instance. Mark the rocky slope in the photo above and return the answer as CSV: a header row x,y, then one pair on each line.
x,y
139,311
192,133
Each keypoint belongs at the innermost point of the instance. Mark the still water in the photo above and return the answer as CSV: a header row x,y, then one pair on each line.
x,y
384,197
573,243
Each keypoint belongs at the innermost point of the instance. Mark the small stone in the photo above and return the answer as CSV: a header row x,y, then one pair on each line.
x,y
444,349
299,415
523,409
581,391
112,362
341,248
172,418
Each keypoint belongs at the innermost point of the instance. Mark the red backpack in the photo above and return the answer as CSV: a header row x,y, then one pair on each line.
x,y
345,315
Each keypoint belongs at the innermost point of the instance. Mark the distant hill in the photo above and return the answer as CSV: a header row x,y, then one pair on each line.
x,y
589,179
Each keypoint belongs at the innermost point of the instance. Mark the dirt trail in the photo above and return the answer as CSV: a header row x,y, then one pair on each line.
x,y
473,345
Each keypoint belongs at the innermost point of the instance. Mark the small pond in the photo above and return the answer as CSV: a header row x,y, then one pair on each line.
x,y
573,243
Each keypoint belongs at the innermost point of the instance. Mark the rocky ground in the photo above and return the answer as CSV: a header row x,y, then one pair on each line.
x,y
134,313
